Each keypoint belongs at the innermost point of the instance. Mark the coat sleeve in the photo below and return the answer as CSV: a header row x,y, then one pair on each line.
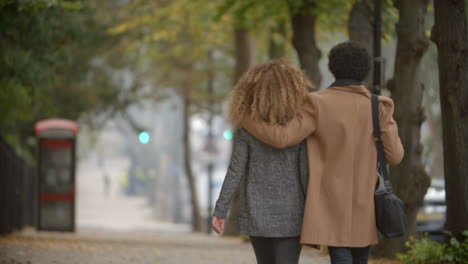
x,y
393,148
291,134
236,170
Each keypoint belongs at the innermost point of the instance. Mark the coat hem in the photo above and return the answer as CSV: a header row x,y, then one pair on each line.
x,y
334,244
265,234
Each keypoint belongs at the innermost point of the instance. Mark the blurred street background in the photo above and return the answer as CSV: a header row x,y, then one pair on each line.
x,y
114,136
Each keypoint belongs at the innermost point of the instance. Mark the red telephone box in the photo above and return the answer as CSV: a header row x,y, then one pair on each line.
x,y
56,174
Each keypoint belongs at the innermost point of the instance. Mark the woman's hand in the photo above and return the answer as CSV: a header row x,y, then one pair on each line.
x,y
218,225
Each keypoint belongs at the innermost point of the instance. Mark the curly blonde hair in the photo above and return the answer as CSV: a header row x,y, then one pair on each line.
x,y
273,92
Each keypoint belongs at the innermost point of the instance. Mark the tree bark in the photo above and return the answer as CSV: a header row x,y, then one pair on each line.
x,y
243,52
244,60
360,29
303,21
197,221
409,179
277,41
450,35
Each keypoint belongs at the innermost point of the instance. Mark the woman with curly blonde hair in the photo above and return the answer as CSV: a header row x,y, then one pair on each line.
x,y
274,91
273,181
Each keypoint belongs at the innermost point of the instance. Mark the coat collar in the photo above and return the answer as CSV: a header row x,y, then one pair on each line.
x,y
345,82
351,86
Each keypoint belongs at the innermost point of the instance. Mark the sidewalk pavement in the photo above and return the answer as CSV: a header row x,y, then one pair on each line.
x,y
114,229
31,247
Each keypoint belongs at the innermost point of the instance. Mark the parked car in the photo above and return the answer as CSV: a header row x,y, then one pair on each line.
x,y
432,214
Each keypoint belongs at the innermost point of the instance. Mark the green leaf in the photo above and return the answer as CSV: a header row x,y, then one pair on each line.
x,y
465,233
454,242
228,5
69,5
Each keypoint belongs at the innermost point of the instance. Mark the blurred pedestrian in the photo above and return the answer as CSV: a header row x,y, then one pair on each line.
x,y
106,183
337,122
272,181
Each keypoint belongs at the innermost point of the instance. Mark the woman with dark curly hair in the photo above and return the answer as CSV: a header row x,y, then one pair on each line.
x,y
273,181
337,123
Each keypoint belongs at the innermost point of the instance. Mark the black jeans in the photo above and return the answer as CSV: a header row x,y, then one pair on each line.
x,y
348,255
272,250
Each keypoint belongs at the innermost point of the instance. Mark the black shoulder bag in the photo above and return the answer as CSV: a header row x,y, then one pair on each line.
x,y
389,210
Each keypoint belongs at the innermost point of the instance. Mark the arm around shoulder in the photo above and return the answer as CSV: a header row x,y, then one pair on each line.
x,y
291,134
393,148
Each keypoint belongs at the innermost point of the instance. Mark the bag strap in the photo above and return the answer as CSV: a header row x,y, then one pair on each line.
x,y
381,163
303,168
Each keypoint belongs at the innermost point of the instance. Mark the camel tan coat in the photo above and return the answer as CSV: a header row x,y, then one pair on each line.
x,y
339,209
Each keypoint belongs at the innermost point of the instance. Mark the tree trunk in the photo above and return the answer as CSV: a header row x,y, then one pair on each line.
x,y
303,23
244,52
409,179
360,29
197,221
244,60
450,36
277,41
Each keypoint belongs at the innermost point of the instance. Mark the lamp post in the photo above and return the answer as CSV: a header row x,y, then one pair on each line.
x,y
378,60
209,171
210,147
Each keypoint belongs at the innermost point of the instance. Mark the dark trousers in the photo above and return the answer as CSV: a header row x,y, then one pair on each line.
x,y
272,250
347,255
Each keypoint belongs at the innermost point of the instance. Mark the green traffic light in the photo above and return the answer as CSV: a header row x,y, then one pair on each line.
x,y
227,134
144,137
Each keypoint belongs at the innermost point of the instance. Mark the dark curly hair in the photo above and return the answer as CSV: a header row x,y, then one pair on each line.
x,y
349,60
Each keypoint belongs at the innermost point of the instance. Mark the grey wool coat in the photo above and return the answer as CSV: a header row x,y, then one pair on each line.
x,y
273,183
